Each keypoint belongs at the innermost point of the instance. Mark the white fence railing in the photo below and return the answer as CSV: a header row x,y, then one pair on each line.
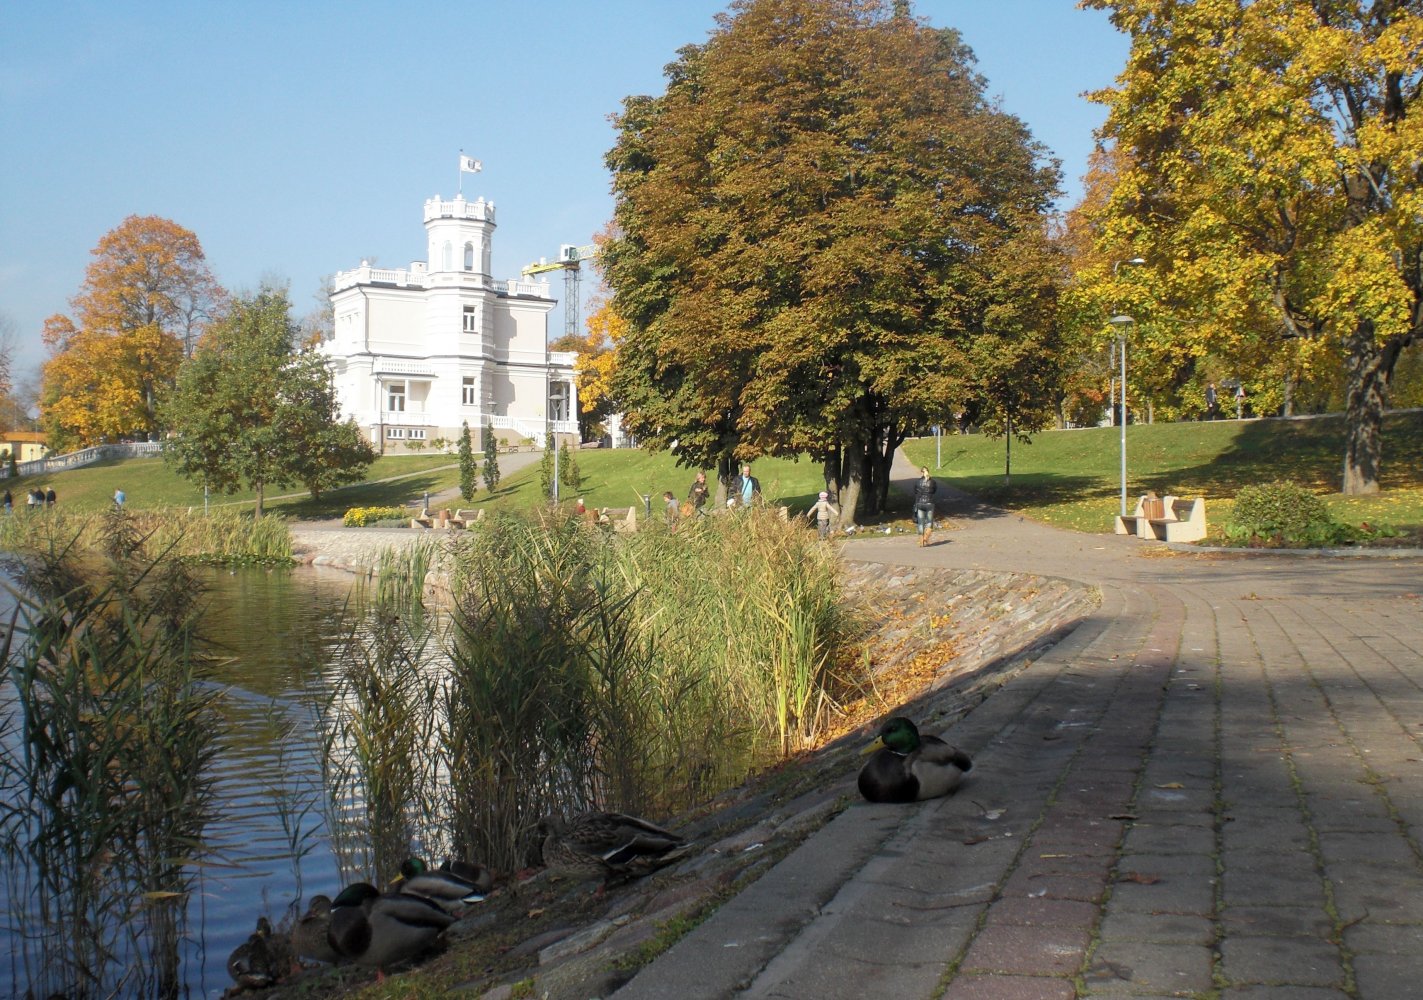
x,y
533,429
85,456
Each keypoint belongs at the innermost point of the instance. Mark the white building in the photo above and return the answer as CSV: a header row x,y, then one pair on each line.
x,y
417,352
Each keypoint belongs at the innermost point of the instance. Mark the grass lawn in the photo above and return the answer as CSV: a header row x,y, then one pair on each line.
x,y
1066,478
148,483
1072,478
619,478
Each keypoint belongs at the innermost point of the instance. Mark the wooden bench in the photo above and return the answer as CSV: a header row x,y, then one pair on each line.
x,y
1166,519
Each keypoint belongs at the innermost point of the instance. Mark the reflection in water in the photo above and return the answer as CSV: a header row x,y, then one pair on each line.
x,y
267,841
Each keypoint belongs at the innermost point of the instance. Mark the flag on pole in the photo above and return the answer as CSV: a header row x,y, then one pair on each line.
x,y
469,165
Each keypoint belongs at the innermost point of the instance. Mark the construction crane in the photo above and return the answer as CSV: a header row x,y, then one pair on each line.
x,y
570,259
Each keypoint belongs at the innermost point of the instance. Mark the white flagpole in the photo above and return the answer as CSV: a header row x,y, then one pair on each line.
x,y
461,172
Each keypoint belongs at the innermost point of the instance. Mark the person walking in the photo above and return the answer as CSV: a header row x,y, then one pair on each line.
x,y
698,493
669,507
924,491
49,497
9,501
119,498
745,487
823,511
1212,402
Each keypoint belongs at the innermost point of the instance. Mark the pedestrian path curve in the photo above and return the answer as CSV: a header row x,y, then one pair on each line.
x,y
1212,788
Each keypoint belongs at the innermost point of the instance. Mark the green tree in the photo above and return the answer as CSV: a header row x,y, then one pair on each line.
x,y
1269,174
814,223
491,459
253,411
469,470
568,472
546,476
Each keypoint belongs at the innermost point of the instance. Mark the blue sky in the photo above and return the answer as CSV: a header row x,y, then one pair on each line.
x,y
295,138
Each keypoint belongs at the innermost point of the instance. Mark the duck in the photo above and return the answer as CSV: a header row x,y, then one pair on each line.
x,y
909,767
445,886
611,844
379,930
309,934
255,964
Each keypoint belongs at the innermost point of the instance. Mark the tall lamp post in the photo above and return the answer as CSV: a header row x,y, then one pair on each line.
x,y
1121,323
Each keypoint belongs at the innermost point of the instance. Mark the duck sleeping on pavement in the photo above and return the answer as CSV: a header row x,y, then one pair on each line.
x,y
910,767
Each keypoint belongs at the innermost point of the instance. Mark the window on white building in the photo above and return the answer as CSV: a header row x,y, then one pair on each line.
x,y
416,434
446,263
395,432
467,396
469,256
395,397
471,320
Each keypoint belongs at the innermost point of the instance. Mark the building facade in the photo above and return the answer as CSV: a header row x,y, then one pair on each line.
x,y
418,352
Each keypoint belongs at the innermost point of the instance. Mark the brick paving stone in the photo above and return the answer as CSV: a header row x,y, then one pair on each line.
x,y
1176,895
1170,969
1366,892
1282,993
1366,848
1037,912
1014,948
1295,961
1386,977
1386,939
974,987
1277,921
1157,928
1152,838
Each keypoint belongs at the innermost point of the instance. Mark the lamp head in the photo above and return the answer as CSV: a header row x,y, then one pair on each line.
x,y
1121,320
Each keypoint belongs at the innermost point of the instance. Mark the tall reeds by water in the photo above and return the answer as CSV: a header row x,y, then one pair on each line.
x,y
223,536
105,756
579,669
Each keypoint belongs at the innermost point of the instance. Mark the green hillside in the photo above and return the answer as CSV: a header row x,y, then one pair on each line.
x,y
1072,478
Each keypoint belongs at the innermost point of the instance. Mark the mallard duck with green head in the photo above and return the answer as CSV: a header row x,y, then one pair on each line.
x,y
310,933
445,886
608,844
379,930
908,766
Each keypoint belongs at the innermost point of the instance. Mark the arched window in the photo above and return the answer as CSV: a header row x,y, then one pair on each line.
x,y
446,263
469,256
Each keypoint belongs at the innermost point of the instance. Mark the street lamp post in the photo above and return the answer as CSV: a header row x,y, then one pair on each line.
x,y
1122,322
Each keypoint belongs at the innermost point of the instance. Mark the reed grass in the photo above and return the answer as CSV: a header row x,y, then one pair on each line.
x,y
223,537
378,722
107,763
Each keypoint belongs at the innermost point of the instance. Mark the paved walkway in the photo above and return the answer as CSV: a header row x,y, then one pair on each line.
x,y
1213,788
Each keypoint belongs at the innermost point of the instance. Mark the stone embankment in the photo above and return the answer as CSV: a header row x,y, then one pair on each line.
x,y
942,640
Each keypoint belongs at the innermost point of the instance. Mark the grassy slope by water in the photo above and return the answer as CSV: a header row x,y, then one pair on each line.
x,y
1072,478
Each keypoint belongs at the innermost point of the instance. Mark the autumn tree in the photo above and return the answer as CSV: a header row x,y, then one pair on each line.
x,y
145,298
596,360
253,410
1271,179
814,224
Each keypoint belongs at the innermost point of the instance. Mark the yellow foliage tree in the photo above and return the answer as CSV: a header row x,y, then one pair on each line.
x,y
1269,175
145,298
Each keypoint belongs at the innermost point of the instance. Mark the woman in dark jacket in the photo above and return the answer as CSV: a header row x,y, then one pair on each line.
x,y
924,505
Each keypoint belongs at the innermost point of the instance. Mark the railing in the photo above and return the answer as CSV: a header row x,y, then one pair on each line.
x,y
85,456
459,209
534,428
536,289
367,275
402,366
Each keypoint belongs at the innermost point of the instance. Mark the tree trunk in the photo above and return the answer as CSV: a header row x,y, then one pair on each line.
x,y
258,514
1008,453
1369,369
833,484
852,472
1288,407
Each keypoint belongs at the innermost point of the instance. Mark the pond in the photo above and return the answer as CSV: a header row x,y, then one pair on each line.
x,y
276,631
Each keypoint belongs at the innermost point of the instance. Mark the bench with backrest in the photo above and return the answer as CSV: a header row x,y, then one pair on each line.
x,y
1166,519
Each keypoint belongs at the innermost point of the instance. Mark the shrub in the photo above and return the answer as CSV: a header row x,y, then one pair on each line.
x,y
361,517
1286,515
